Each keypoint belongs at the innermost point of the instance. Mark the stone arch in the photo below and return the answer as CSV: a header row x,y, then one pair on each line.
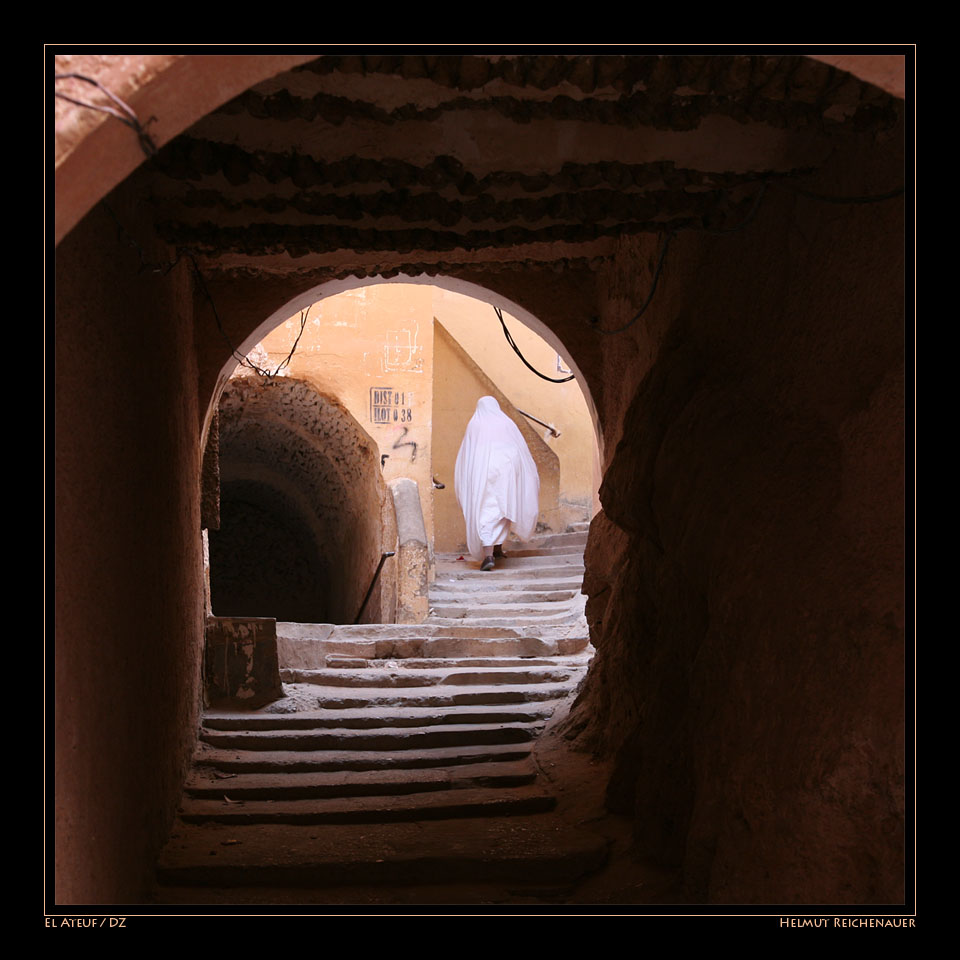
x,y
332,288
301,502
94,153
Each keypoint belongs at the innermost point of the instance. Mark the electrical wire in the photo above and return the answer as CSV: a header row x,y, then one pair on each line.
x,y
749,217
653,289
526,362
239,357
874,198
127,117
124,235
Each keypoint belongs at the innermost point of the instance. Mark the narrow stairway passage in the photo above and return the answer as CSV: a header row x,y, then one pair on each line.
x,y
402,754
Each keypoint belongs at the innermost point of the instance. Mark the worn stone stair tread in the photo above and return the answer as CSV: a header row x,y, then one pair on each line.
x,y
550,555
395,738
506,618
469,587
527,553
335,661
541,611
476,802
373,633
519,848
366,719
569,538
520,568
318,761
386,677
429,697
367,697
502,597
282,786
452,638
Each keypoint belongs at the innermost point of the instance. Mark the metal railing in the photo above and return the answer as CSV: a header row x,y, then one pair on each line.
x,y
373,583
530,416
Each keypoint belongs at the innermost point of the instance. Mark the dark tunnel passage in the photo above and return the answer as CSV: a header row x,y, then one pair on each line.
x,y
300,503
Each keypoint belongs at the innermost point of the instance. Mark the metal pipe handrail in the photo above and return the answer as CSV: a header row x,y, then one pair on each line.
x,y
373,583
530,416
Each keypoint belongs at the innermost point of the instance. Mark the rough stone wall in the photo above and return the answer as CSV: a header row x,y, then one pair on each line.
x,y
413,553
128,581
746,577
302,494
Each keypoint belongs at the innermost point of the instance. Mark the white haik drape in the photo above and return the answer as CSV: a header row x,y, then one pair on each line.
x,y
496,479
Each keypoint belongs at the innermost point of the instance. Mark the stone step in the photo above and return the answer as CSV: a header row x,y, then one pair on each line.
x,y
439,805
454,676
467,587
546,551
454,640
580,526
572,539
507,619
415,729
541,612
283,786
519,568
354,663
499,579
387,738
377,698
328,761
386,717
515,849
478,595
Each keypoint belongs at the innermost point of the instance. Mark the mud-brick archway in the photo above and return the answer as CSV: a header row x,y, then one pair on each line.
x,y
300,506
331,288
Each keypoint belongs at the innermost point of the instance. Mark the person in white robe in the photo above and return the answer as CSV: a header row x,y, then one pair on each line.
x,y
496,481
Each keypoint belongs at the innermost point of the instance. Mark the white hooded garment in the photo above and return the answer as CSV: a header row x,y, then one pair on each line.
x,y
496,479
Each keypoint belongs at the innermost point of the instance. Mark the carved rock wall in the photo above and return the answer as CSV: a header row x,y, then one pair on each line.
x,y
746,577
301,500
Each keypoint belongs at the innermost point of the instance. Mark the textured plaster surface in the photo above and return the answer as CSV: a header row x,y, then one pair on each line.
x,y
128,569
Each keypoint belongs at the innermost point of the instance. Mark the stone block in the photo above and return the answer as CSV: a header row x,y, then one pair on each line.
x,y
241,661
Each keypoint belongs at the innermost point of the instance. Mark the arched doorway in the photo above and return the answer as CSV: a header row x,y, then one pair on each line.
x,y
301,505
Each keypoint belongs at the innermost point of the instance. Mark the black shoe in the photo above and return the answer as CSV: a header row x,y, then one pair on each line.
x,y
498,552
487,564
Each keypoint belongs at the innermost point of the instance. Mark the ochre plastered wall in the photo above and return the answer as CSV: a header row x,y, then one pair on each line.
x,y
474,325
372,349
128,570
458,384
377,343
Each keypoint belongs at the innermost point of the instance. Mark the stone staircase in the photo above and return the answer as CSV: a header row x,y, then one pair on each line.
x,y
402,754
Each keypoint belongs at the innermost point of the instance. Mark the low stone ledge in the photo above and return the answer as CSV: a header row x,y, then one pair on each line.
x,y
241,661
